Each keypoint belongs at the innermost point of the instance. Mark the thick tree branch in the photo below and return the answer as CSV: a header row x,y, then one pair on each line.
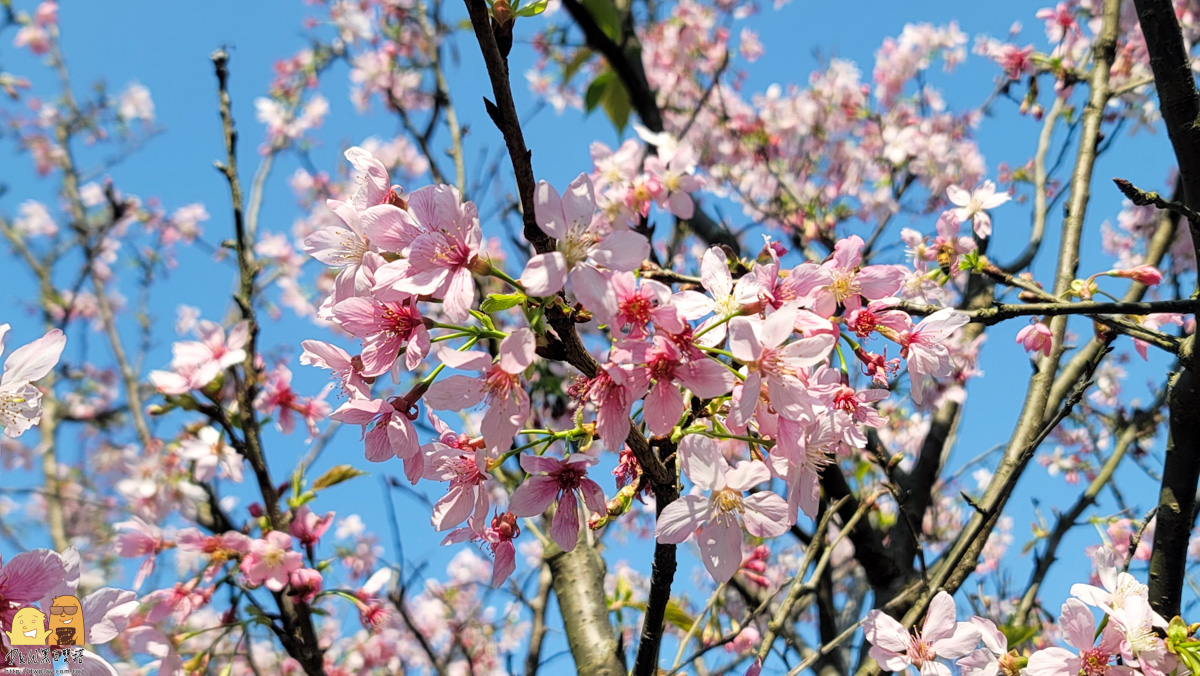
x,y
1179,102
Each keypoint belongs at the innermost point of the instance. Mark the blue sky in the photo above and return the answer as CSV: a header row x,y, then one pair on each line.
x,y
165,46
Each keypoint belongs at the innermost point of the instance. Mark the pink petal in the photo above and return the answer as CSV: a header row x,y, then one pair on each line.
x,y
779,325
402,436
321,354
958,196
706,378
564,527
578,204
766,515
883,631
460,296
534,495
662,408
714,273
941,619
29,576
455,393
548,211
702,462
593,496
747,474
454,507
743,340
33,361
680,519
544,275
721,546
593,289
962,641
1077,624
517,351
539,464
745,399
622,250
504,562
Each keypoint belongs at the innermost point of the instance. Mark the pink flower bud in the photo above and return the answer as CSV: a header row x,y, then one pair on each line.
x,y
1142,274
1036,338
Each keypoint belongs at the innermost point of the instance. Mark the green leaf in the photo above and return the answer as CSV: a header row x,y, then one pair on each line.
x,y
677,616
582,56
617,104
607,91
597,89
532,9
1018,634
606,15
496,302
335,476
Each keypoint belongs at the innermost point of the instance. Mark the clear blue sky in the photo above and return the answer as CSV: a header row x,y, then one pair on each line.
x,y
165,46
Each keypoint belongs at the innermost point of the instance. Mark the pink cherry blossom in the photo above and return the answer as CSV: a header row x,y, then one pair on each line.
x,y
385,327
1078,628
195,364
277,398
391,435
612,392
629,307
440,259
347,370
924,348
841,281
499,538
725,299
582,240
760,346
1036,338
664,364
499,385
307,527
270,561
210,453
719,519
973,205
467,495
561,483
20,401
894,648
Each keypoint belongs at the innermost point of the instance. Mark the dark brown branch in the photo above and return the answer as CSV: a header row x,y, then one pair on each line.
x,y
1179,102
299,637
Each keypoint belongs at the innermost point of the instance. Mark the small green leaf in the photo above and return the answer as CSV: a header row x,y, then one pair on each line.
x,y
533,9
617,104
677,616
496,302
335,476
1018,634
597,89
582,56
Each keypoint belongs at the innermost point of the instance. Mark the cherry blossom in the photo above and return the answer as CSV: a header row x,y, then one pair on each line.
x,y
1078,628
499,385
20,401
973,205
941,636
719,519
581,238
561,483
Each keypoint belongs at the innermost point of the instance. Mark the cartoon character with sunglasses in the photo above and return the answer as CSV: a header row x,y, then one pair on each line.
x,y
66,621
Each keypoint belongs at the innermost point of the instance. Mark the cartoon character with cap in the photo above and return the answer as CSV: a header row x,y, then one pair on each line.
x,y
66,621
28,628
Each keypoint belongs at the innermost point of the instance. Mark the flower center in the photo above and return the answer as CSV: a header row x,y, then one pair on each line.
x,y
466,472
728,501
1093,662
920,652
398,320
843,285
